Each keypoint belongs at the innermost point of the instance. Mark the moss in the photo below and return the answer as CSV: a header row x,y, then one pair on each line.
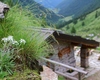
x,y
61,78
27,74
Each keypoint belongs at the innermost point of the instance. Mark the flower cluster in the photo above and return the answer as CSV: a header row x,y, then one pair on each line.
x,y
10,44
10,53
14,48
6,39
10,39
22,41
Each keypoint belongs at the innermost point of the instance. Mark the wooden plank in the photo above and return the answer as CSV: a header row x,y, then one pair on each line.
x,y
67,66
67,76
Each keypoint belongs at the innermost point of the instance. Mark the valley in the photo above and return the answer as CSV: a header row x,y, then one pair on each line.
x,y
90,24
83,16
33,32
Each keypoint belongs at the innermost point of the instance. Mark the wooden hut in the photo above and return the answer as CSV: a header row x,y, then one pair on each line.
x,y
64,48
69,41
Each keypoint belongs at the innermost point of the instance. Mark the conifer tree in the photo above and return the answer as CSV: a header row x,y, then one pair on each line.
x,y
73,30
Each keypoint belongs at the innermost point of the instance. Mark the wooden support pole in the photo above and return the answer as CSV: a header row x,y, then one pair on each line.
x,y
79,76
84,55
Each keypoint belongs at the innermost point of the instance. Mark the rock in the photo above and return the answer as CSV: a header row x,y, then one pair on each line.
x,y
99,58
3,9
48,74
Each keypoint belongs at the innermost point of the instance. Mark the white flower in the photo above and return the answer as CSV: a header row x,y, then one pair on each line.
x,y
22,41
10,38
15,43
4,39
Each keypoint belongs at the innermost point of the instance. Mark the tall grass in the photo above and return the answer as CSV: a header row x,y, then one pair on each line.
x,y
16,23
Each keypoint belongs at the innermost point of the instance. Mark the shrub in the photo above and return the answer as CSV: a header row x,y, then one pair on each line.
x,y
96,14
83,23
74,21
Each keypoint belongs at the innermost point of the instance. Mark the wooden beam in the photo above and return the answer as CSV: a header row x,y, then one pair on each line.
x,y
84,57
67,76
67,66
77,43
76,39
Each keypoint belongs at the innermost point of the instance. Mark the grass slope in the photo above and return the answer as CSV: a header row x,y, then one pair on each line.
x,y
41,11
17,23
91,25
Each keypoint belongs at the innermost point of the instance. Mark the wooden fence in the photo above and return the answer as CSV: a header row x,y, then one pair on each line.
x,y
67,66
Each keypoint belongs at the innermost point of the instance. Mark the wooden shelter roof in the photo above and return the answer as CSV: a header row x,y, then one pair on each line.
x,y
75,40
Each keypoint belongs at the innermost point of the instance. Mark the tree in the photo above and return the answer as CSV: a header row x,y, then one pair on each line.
x,y
83,23
96,15
43,21
75,21
73,30
67,27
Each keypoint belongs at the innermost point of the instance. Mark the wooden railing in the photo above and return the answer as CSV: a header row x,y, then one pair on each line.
x,y
67,66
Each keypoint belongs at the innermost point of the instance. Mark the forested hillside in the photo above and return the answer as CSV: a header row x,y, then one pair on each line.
x,y
40,11
64,4
78,7
83,26
49,3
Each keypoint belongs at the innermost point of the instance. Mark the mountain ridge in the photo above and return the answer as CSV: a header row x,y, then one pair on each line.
x,y
41,11
49,3
85,27
79,7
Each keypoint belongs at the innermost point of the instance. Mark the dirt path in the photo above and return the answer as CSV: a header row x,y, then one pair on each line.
x,y
95,76
94,66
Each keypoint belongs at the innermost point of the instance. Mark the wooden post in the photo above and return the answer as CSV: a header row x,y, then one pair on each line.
x,y
84,57
79,76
